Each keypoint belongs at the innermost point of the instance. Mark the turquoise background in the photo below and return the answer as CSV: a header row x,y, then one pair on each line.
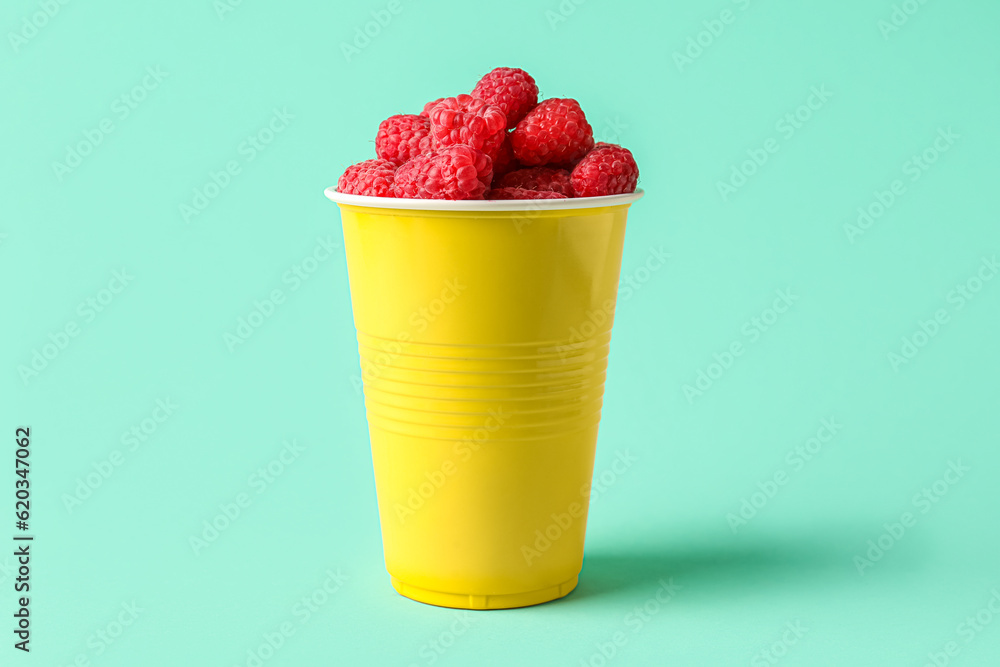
x,y
223,76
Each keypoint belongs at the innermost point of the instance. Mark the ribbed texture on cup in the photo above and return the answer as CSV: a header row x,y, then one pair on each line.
x,y
509,392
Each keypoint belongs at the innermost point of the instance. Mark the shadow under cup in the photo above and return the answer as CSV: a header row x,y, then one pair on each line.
x,y
483,330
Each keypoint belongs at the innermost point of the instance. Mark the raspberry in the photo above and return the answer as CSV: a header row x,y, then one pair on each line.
x,y
503,157
426,113
570,166
467,120
539,178
373,178
523,193
511,89
608,170
556,131
402,137
452,172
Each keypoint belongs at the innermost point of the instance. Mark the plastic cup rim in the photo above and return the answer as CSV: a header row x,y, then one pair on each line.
x,y
481,204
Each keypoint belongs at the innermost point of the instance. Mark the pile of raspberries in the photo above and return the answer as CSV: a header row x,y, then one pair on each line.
x,y
499,142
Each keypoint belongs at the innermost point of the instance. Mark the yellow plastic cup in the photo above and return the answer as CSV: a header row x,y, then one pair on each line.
x,y
483,330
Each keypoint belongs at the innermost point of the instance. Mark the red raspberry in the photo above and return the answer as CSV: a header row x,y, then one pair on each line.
x,y
373,178
539,178
555,131
402,137
426,113
452,172
608,170
570,166
511,89
503,157
523,193
467,120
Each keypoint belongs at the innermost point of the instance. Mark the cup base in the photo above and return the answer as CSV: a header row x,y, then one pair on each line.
x,y
508,601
